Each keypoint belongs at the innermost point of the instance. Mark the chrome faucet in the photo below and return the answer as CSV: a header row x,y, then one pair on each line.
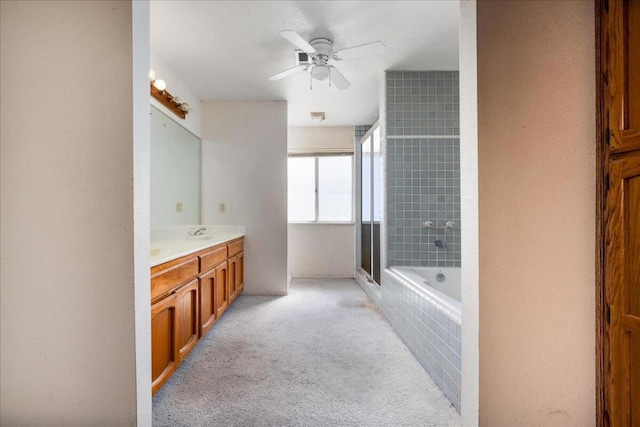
x,y
197,232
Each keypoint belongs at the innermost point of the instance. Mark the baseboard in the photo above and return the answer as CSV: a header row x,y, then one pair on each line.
x,y
268,294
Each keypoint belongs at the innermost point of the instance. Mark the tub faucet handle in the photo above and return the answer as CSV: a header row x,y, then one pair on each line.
x,y
428,224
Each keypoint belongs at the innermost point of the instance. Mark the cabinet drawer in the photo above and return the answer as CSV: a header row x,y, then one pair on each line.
x,y
167,279
236,247
213,258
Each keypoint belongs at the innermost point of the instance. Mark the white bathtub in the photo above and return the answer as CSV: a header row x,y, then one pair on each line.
x,y
426,314
447,292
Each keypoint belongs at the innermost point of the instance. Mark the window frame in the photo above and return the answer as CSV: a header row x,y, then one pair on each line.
x,y
316,156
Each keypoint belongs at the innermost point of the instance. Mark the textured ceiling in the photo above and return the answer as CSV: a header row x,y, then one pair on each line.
x,y
226,50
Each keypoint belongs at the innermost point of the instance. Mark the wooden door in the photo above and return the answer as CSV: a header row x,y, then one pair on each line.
x,y
187,318
164,354
619,197
222,289
233,268
207,284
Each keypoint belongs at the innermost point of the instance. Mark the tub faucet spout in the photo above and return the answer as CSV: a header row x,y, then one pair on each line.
x,y
440,244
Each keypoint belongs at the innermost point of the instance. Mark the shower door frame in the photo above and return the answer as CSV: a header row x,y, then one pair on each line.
x,y
359,211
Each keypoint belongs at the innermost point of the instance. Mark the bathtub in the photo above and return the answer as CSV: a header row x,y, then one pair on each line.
x,y
442,284
422,304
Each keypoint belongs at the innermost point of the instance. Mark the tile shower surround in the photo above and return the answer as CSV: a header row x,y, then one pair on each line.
x,y
422,126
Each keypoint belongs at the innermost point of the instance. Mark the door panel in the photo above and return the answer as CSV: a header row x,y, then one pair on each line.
x,y
207,301
232,266
240,273
187,313
164,356
222,289
622,46
622,284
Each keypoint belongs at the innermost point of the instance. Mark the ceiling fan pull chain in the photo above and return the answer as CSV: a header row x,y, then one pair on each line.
x,y
329,76
310,81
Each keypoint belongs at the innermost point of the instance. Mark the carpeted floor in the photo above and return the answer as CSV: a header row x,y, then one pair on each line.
x,y
321,356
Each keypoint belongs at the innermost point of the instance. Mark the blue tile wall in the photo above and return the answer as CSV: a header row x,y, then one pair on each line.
x,y
422,126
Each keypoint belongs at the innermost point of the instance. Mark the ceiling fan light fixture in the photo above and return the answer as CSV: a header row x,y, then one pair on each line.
x,y
320,72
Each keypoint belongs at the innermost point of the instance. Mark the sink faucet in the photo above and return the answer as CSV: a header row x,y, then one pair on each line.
x,y
197,232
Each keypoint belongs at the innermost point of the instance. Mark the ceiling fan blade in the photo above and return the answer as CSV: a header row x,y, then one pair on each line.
x,y
375,48
298,41
287,73
338,79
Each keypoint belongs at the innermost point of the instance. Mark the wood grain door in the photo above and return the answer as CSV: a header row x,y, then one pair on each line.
x,y
222,288
622,282
207,284
164,354
622,30
187,315
619,197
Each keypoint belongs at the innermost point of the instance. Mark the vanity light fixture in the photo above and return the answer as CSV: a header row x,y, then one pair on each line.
x,y
158,91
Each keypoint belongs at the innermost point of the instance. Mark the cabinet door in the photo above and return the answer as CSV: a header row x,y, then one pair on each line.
x,y
240,273
222,289
164,354
233,267
187,315
207,297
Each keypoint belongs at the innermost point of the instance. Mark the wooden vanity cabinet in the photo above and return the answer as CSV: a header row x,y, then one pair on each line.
x,y
188,295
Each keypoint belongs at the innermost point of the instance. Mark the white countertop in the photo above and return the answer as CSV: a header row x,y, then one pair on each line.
x,y
169,243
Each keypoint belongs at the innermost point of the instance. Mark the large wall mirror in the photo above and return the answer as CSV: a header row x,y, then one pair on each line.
x,y
175,173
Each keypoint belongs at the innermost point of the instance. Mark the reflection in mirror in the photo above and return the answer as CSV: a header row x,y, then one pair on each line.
x,y
175,173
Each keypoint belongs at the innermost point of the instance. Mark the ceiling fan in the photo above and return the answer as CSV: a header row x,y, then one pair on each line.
x,y
319,52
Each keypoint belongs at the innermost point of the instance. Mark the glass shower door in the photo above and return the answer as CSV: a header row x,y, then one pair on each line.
x,y
371,202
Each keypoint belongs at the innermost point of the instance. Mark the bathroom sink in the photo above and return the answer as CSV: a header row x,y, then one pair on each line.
x,y
201,237
158,251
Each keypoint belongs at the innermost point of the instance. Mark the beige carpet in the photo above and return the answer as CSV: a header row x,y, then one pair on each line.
x,y
321,356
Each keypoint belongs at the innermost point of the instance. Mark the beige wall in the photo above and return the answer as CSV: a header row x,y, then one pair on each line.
x,y
321,250
67,279
536,126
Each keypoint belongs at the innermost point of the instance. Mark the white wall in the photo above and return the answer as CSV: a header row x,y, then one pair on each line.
x,y
141,211
469,211
176,87
67,214
321,250
244,164
536,183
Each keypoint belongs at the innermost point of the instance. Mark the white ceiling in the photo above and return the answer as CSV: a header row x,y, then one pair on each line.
x,y
226,50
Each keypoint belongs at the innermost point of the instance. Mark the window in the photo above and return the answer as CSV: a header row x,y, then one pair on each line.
x,y
320,188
